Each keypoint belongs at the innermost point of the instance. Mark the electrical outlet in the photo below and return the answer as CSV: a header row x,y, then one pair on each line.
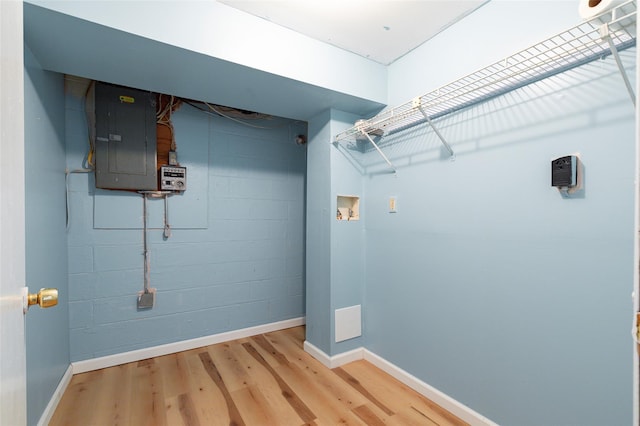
x,y
393,205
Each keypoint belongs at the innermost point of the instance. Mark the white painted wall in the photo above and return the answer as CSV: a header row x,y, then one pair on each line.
x,y
220,31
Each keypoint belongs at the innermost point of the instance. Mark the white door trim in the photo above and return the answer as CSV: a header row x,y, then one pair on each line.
x,y
636,256
13,391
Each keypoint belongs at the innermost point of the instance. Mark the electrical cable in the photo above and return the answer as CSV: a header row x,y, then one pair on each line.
x,y
68,172
218,113
147,265
89,110
66,200
235,119
163,115
635,323
88,162
88,165
167,228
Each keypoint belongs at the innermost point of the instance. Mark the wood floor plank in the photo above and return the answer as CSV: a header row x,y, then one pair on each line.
x,y
292,398
148,407
267,384
433,411
331,407
355,383
82,390
212,371
187,410
181,411
172,411
254,407
314,370
262,380
175,373
323,380
234,373
262,341
330,399
112,403
367,415
288,339
395,392
411,417
210,405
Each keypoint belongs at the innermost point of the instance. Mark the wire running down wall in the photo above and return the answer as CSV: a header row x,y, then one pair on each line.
x,y
589,41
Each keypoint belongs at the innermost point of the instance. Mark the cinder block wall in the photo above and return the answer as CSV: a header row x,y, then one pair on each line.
x,y
235,257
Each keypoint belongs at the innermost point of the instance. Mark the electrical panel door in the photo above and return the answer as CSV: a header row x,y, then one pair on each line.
x,y
125,138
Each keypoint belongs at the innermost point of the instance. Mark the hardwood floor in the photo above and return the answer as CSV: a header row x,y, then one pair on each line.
x,y
262,380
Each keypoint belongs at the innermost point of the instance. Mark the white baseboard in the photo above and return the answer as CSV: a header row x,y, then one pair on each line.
x,y
55,399
333,361
443,400
184,345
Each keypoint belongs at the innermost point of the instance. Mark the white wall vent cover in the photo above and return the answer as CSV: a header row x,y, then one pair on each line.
x,y
348,323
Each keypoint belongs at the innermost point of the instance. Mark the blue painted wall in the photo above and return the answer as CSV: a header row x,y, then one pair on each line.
x,y
216,30
347,237
318,233
335,249
487,284
206,51
47,330
235,258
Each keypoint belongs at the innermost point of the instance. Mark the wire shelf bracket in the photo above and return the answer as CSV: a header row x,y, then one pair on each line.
x,y
593,39
605,34
416,102
384,157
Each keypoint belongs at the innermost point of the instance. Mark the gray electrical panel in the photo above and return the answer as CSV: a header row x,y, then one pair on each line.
x,y
125,138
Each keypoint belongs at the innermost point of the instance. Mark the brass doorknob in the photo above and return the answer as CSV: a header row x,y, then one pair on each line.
x,y
46,298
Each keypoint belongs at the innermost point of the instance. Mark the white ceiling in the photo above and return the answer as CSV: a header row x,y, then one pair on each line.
x,y
380,30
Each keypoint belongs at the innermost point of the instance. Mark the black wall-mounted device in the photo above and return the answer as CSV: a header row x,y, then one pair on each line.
x,y
564,172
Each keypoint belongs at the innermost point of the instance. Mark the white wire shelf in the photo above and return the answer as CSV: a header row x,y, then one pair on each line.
x,y
591,40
